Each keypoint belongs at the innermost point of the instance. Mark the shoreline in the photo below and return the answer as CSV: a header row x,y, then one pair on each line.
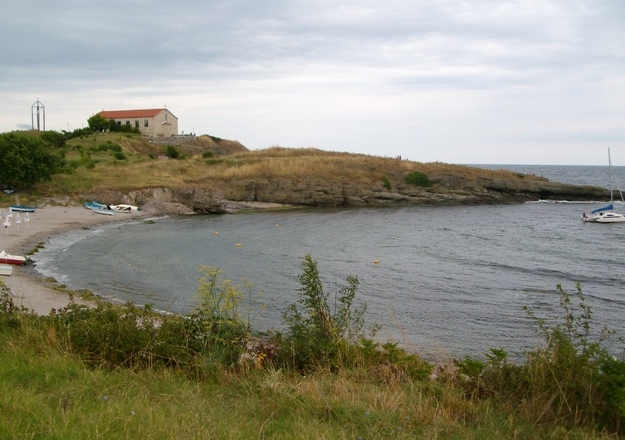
x,y
26,285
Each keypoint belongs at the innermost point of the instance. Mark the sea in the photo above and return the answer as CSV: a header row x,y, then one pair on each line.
x,y
443,281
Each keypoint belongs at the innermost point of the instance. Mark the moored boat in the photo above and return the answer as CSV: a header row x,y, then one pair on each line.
x,y
598,213
606,214
610,217
11,259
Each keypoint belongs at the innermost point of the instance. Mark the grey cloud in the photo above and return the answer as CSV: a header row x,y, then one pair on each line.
x,y
235,60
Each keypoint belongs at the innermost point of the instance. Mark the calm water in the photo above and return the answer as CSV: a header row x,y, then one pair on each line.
x,y
451,281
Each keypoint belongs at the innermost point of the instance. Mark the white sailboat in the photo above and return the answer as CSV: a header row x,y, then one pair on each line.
x,y
606,214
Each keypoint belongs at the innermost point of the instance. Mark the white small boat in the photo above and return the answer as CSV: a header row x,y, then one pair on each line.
x,y
99,208
610,217
125,208
6,269
21,208
11,259
606,214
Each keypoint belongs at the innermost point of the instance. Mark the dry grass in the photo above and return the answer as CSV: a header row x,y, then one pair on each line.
x,y
269,164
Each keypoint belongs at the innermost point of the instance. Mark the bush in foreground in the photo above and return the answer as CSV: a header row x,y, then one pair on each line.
x,y
571,380
571,385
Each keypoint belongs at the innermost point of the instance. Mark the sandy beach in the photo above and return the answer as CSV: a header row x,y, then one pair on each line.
x,y
20,238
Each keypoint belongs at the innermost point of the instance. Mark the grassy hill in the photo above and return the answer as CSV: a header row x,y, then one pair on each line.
x,y
107,165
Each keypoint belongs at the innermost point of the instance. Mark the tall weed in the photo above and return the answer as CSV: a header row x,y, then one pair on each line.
x,y
573,376
571,379
319,335
217,312
10,313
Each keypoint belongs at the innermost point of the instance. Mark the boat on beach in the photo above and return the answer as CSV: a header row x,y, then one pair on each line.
x,y
12,259
107,207
125,208
21,208
99,208
6,269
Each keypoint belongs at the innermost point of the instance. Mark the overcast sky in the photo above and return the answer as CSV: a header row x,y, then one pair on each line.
x,y
477,81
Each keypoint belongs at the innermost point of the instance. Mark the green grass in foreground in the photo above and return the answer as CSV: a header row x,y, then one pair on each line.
x,y
51,395
126,372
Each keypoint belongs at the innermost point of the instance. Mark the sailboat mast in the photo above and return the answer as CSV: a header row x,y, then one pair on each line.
x,y
610,174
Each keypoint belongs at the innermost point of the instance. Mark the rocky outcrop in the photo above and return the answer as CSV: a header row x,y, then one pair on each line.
x,y
445,190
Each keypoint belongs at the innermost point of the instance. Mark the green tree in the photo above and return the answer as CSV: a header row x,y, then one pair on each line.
x,y
99,123
26,160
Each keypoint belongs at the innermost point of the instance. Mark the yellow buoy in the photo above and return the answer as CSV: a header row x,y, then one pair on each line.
x,y
216,233
375,261
238,244
277,225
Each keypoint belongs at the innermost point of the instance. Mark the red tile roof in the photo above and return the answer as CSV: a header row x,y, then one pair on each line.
x,y
121,114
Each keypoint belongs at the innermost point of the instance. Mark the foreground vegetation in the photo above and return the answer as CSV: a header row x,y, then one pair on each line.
x,y
127,372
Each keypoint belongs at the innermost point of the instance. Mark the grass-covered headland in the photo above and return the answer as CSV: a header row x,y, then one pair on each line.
x,y
113,371
205,173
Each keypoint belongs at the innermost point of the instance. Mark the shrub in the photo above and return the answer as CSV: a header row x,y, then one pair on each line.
x,y
207,154
387,183
494,378
397,360
418,178
171,151
120,155
53,138
574,372
26,160
571,379
108,146
112,336
134,337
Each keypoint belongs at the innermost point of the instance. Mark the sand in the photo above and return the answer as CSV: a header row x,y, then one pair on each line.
x,y
27,288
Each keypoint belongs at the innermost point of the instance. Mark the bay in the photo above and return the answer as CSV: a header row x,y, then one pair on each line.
x,y
444,281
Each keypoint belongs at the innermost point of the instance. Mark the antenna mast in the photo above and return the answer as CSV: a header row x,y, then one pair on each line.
x,y
38,114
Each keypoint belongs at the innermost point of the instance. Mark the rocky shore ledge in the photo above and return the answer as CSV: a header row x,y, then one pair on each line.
x,y
444,190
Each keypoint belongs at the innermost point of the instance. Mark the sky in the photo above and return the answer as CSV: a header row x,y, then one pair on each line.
x,y
465,82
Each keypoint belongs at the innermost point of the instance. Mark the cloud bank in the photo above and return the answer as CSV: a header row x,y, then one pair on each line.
x,y
535,82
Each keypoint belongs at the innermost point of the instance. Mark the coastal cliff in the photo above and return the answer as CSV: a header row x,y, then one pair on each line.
x,y
444,190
